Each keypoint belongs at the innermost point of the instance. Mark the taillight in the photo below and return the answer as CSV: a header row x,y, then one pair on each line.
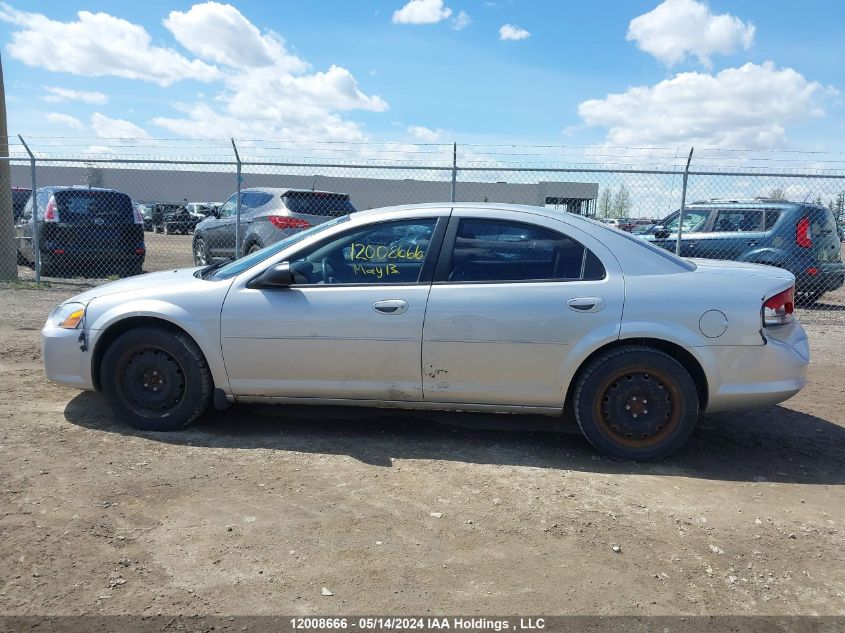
x,y
779,309
802,233
285,222
139,217
51,213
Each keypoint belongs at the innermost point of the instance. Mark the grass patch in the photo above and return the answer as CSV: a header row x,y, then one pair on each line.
x,y
26,285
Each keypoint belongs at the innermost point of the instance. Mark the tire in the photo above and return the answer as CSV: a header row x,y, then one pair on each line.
x,y
253,248
131,269
144,360
200,252
613,396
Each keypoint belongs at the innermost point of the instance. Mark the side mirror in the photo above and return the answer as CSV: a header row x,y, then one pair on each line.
x,y
660,232
281,275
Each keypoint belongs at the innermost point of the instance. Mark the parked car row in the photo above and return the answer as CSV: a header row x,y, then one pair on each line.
x,y
628,224
99,230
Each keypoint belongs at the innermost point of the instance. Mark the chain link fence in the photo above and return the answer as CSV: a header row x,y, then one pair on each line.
x,y
141,206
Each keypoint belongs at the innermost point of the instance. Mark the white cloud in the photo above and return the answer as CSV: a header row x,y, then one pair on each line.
x,y
106,127
95,45
461,21
220,33
57,95
264,90
64,119
676,28
425,134
421,12
511,32
745,107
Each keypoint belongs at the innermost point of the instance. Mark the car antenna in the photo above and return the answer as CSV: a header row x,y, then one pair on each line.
x,y
314,183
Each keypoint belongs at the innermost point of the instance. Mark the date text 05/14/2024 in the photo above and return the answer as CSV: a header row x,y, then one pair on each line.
x,y
417,623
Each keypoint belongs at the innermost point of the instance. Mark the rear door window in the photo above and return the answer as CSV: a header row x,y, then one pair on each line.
x,y
319,203
738,221
500,251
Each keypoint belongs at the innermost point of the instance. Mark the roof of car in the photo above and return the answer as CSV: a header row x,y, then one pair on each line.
x,y
283,190
76,188
488,206
748,202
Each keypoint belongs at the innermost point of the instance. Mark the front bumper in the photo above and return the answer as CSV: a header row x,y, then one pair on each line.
x,y
64,360
764,375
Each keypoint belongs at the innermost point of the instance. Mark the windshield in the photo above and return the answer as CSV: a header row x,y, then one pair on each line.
x,y
239,265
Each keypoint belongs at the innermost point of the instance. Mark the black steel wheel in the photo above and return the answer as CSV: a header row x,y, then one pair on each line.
x,y
156,379
636,402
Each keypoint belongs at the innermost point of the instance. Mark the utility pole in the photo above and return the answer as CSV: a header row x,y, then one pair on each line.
x,y
8,250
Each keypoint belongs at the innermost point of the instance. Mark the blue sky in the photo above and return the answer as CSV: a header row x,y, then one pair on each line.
x,y
768,75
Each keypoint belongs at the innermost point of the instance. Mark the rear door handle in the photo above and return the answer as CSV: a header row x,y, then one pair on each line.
x,y
752,242
586,304
391,306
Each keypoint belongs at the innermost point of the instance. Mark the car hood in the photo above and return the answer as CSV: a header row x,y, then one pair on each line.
x,y
148,281
743,269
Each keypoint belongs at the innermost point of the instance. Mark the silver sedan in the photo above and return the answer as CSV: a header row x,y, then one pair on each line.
x,y
470,307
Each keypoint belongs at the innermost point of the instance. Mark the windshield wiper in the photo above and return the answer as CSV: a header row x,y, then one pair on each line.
x,y
210,269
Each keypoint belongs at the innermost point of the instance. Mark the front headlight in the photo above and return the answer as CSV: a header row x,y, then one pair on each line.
x,y
68,315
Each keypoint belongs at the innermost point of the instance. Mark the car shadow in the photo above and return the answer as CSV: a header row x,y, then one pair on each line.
x,y
769,445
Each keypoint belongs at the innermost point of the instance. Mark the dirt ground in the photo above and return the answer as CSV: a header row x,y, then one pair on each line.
x,y
256,510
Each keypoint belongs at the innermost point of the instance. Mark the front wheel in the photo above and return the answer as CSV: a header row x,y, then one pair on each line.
x,y
156,379
636,402
200,252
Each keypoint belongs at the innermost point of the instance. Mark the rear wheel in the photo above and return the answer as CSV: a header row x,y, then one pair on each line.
x,y
156,379
253,248
636,403
131,269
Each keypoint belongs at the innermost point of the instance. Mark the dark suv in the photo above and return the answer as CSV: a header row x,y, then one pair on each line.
x,y
796,236
84,231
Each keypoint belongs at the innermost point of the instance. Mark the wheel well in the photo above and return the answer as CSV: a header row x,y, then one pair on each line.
x,y
116,329
687,360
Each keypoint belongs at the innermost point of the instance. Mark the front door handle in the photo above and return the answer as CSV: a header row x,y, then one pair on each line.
x,y
586,304
391,306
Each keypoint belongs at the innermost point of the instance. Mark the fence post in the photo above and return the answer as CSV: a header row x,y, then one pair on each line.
x,y
238,212
454,169
683,204
36,227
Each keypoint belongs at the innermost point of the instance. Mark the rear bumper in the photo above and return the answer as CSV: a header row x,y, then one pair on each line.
x,y
828,277
764,375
